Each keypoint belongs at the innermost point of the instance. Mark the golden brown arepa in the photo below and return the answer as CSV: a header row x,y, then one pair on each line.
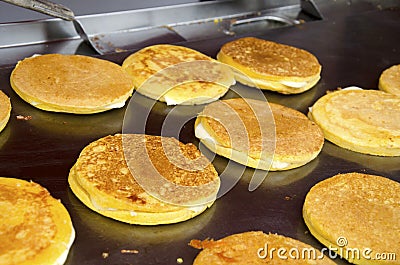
x,y
365,121
356,215
256,247
35,228
5,110
252,132
270,65
102,180
178,75
71,83
389,81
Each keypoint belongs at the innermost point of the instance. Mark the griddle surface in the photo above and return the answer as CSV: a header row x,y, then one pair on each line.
x,y
353,50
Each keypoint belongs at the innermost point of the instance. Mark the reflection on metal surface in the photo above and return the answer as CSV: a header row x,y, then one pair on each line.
x,y
135,29
4,135
141,236
378,163
258,23
66,125
42,31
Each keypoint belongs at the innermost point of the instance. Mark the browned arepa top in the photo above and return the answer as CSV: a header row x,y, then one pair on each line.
x,y
268,58
102,168
290,132
71,83
362,209
35,228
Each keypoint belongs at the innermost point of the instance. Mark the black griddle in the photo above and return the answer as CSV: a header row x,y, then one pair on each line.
x,y
353,50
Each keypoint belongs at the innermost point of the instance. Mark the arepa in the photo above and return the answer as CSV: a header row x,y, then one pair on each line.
x,y
364,121
178,75
271,66
256,247
35,228
389,81
259,134
102,179
356,215
5,110
71,83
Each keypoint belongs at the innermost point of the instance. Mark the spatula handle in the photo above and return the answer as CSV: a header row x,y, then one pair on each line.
x,y
45,7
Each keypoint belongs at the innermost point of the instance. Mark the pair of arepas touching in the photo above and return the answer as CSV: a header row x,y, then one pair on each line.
x,y
297,139
81,84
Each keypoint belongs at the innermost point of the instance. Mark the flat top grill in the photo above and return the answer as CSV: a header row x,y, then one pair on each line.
x,y
353,50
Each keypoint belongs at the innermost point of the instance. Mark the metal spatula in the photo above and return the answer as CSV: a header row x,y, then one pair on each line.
x,y
63,12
